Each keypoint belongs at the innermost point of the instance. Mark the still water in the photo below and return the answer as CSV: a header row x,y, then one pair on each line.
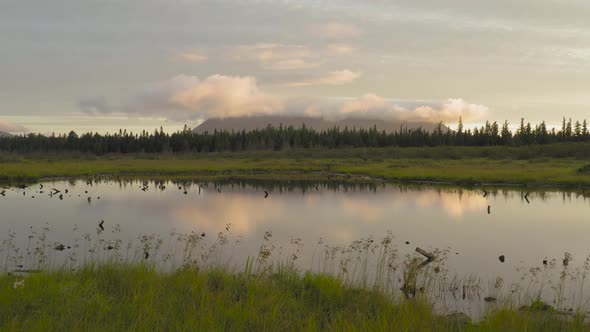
x,y
526,230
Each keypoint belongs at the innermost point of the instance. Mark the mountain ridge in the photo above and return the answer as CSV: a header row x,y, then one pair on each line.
x,y
320,124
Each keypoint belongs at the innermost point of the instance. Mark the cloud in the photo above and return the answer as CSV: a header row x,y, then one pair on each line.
x,y
271,55
189,98
192,56
8,127
337,30
281,57
339,77
340,49
94,105
293,64
451,110
225,96
277,57
363,104
374,107
185,97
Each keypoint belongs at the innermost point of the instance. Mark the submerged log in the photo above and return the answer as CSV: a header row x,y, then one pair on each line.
x,y
425,253
429,257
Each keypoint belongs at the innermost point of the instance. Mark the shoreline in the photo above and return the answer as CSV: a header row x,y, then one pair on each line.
x,y
114,296
281,176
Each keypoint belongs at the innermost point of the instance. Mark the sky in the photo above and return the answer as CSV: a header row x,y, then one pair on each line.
x,y
140,64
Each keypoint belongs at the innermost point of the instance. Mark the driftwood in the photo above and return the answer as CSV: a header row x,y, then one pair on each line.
x,y
411,274
26,271
429,257
425,253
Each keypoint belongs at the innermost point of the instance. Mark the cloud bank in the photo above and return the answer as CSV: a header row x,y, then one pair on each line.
x,y
373,106
187,98
8,127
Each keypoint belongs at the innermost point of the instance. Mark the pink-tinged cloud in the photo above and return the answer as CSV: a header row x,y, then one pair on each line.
x,y
186,98
274,56
450,111
372,106
226,96
337,30
8,127
339,77
192,57
278,57
363,104
340,49
292,64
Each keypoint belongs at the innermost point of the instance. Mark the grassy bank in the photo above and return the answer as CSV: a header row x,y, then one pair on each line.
x,y
138,298
536,165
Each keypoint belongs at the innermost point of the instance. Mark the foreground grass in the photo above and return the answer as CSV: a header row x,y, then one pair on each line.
x,y
138,298
540,165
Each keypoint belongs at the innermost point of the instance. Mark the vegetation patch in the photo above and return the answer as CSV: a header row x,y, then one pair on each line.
x,y
584,169
139,298
375,163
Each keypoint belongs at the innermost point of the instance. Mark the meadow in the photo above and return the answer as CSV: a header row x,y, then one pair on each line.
x,y
555,165
138,298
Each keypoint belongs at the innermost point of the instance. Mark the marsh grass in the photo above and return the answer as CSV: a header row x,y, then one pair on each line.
x,y
559,165
188,282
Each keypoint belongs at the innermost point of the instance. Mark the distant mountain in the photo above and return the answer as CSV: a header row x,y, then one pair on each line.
x,y
259,122
4,134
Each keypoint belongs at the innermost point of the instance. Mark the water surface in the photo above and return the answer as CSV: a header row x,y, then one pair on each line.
x,y
526,229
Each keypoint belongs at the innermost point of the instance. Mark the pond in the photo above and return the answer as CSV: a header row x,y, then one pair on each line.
x,y
472,226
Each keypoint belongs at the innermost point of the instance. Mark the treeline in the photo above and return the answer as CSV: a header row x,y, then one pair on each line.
x,y
272,138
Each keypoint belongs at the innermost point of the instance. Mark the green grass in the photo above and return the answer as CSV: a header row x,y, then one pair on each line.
x,y
536,165
123,297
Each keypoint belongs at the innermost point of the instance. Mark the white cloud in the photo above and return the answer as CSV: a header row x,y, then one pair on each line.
x,y
339,77
8,127
192,56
